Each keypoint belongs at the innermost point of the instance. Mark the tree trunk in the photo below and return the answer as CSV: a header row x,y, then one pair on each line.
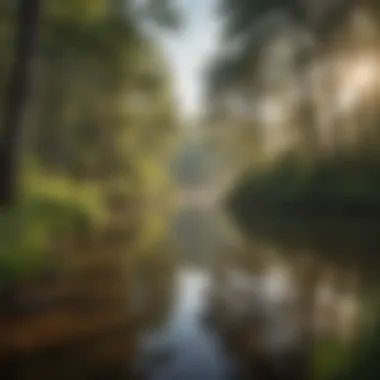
x,y
15,99
308,111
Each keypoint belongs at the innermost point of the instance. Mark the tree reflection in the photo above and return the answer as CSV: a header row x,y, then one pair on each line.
x,y
317,301
155,276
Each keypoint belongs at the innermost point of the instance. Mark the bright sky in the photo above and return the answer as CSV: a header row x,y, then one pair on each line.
x,y
189,50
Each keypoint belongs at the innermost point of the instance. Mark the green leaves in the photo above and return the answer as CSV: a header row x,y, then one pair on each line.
x,y
106,40
162,13
254,22
78,11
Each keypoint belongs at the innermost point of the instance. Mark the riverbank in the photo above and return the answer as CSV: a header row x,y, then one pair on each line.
x,y
342,186
70,251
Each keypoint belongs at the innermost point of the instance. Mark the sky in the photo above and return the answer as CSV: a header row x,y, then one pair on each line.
x,y
189,50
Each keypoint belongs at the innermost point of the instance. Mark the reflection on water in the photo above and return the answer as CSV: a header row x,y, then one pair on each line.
x,y
203,235
193,351
249,306
216,307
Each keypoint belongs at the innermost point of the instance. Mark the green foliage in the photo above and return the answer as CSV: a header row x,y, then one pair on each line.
x,y
339,185
254,22
81,132
164,13
363,362
23,242
329,356
50,210
245,14
93,56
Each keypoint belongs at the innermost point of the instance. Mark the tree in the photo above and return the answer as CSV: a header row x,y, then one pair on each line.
x,y
251,26
16,96
85,47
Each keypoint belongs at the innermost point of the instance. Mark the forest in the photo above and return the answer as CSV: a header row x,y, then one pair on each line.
x,y
88,120
293,96
88,127
96,248
309,145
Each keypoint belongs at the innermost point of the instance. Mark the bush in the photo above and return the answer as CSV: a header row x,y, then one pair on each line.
x,y
50,209
363,363
343,186
329,356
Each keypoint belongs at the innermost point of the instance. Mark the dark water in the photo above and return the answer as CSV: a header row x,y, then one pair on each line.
x,y
292,287
221,305
183,347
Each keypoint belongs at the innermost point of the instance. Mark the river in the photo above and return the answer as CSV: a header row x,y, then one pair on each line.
x,y
192,350
212,300
293,288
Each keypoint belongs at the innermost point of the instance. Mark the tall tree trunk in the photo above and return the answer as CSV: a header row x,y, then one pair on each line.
x,y
15,99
